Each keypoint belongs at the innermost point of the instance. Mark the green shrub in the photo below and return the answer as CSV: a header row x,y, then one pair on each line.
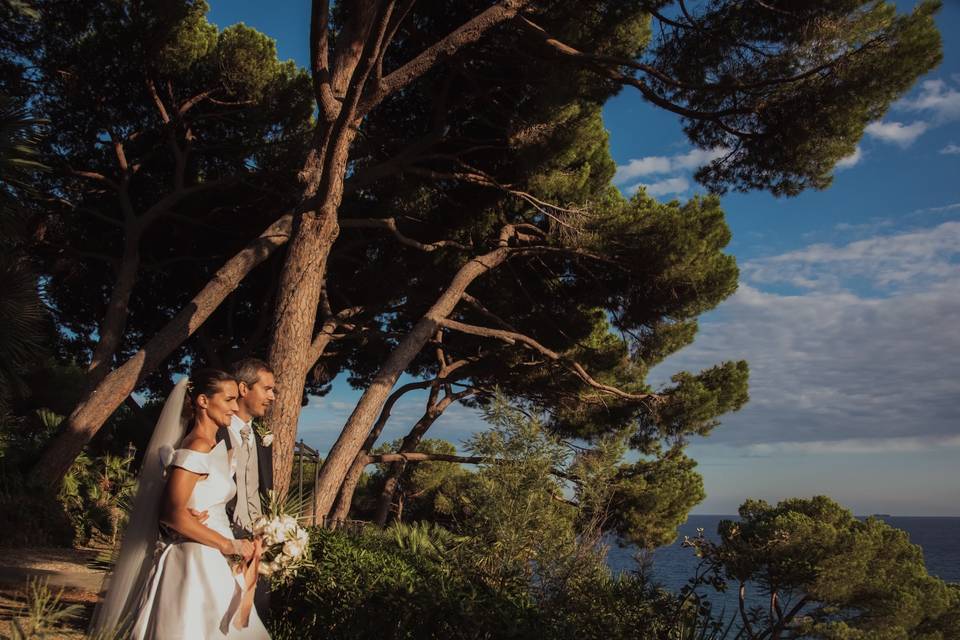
x,y
409,582
367,587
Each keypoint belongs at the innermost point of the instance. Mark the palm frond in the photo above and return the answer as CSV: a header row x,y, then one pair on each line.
x,y
22,320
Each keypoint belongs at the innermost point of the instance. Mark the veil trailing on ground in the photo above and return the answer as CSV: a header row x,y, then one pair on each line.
x,y
133,565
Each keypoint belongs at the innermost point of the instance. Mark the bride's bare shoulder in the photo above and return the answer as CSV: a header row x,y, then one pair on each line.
x,y
198,443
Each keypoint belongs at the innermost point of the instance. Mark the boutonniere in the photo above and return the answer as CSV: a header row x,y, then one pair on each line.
x,y
264,433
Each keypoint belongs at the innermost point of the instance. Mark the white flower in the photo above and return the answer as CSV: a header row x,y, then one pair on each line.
x,y
303,537
267,440
293,548
260,525
266,568
272,532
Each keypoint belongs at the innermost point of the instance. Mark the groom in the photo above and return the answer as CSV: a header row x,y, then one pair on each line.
x,y
254,460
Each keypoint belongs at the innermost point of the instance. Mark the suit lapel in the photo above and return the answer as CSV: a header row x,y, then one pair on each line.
x,y
223,434
265,467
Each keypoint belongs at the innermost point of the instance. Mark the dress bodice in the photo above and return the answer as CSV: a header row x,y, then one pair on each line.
x,y
215,489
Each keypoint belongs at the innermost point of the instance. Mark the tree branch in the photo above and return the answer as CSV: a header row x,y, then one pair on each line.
x,y
424,457
93,175
467,33
326,335
511,337
157,101
394,25
172,199
476,304
195,100
319,59
390,224
475,176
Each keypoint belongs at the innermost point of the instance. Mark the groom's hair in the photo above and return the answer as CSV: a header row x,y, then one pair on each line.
x,y
248,370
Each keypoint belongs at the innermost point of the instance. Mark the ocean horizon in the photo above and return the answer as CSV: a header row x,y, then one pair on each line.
x,y
673,565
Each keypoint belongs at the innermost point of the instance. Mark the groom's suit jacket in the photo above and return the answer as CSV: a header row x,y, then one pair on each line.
x,y
261,597
264,469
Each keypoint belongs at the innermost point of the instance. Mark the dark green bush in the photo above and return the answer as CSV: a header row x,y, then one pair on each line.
x,y
375,586
366,587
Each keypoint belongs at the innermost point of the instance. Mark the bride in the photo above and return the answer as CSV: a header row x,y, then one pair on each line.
x,y
173,578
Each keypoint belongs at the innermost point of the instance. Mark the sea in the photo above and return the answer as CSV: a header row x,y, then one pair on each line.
x,y
672,566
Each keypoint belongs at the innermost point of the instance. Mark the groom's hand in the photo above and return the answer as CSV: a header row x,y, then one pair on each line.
x,y
245,548
201,516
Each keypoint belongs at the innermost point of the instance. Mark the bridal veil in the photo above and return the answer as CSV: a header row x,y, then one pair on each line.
x,y
125,583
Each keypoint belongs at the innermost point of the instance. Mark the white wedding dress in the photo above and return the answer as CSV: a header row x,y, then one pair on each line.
x,y
191,592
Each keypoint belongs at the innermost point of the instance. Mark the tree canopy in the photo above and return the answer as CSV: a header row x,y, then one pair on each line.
x,y
432,197
830,575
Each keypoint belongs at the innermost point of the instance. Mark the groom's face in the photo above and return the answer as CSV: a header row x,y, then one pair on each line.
x,y
258,397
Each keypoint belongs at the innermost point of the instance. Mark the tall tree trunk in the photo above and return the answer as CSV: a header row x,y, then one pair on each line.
x,y
341,508
100,402
295,316
115,319
301,283
358,425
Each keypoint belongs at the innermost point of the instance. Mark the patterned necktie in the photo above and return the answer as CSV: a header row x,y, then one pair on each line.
x,y
245,436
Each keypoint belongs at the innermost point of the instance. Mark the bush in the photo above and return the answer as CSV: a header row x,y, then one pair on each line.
x,y
31,517
367,587
96,493
93,499
406,582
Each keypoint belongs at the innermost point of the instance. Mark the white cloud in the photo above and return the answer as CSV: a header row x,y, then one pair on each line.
x,y
937,99
663,187
848,446
641,167
834,368
851,160
944,209
891,261
653,165
696,158
938,102
951,149
873,226
897,132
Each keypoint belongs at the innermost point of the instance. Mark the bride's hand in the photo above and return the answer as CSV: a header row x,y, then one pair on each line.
x,y
243,548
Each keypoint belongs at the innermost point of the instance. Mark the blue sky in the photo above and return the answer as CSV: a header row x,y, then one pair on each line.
x,y
848,307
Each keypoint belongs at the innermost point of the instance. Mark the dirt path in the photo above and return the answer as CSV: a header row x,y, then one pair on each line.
x,y
72,572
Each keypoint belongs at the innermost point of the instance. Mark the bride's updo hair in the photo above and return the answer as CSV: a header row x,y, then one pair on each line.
x,y
206,382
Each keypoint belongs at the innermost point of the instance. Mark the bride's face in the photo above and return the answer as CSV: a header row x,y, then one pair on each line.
x,y
221,406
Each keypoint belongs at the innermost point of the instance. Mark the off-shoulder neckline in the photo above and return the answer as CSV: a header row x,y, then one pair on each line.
x,y
204,453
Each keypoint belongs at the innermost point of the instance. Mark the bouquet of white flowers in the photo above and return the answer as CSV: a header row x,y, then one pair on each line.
x,y
286,545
